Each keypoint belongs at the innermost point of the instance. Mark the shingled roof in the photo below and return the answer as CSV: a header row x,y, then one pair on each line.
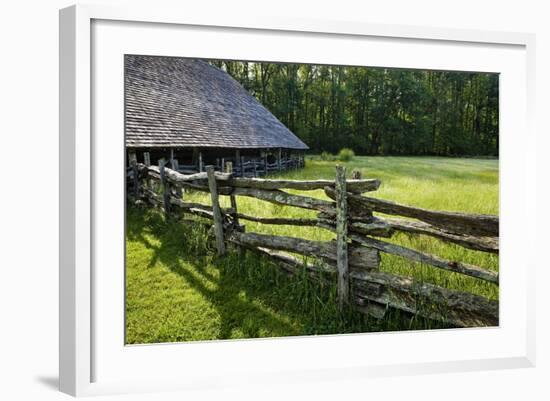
x,y
178,102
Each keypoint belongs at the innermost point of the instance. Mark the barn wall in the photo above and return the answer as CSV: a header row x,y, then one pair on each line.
x,y
188,158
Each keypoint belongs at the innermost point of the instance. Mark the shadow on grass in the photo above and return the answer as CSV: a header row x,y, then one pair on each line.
x,y
251,297
184,249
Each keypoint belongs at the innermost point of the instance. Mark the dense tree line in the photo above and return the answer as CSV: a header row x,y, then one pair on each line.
x,y
378,111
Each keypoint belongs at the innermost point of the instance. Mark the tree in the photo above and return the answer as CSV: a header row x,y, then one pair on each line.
x,y
378,110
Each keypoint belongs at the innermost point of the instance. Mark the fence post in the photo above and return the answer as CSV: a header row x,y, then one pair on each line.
x,y
147,181
133,163
356,174
217,213
165,188
147,162
342,237
233,198
177,189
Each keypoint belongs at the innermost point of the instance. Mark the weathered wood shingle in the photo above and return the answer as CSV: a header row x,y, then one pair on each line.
x,y
179,102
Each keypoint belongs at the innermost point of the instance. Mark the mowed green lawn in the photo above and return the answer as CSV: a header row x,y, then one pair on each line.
x,y
177,290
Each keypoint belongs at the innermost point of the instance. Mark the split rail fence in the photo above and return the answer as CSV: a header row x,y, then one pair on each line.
x,y
354,257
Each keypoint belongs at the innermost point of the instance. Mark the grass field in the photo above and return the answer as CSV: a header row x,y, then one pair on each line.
x,y
178,291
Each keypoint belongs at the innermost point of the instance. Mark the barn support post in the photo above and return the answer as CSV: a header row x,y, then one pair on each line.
x,y
216,210
135,174
201,166
238,159
165,188
242,166
172,158
131,156
342,237
279,159
265,163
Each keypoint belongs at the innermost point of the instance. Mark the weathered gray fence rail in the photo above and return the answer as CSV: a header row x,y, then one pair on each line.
x,y
354,256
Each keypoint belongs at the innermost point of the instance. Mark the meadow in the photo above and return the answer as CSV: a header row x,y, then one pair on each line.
x,y
177,290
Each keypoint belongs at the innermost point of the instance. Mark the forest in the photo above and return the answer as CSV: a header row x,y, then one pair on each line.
x,y
378,111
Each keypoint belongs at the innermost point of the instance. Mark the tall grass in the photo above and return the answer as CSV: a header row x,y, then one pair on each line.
x,y
178,291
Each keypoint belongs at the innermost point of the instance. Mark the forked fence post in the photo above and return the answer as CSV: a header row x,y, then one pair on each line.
x,y
216,210
165,188
342,237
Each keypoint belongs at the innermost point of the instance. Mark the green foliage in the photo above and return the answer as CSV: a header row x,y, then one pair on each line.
x,y
327,157
346,155
378,111
177,290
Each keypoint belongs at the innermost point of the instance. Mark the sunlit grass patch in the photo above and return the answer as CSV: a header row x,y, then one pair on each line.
x,y
177,290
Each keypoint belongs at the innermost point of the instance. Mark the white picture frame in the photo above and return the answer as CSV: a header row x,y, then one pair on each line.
x,y
89,361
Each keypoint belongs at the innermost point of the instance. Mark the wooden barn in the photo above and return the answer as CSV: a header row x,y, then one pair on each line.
x,y
194,114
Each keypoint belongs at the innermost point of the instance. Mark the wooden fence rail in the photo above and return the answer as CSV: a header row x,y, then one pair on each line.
x,y
353,258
